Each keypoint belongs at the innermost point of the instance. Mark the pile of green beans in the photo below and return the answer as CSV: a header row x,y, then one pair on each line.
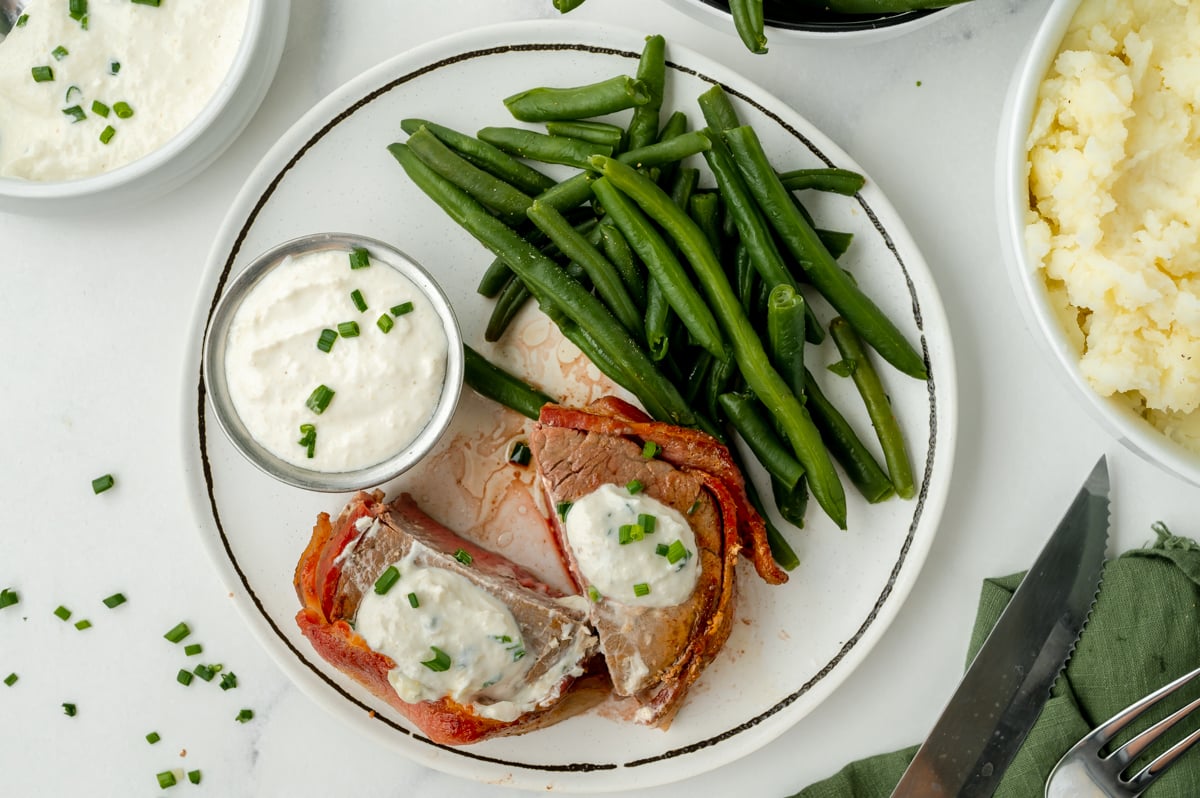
x,y
689,289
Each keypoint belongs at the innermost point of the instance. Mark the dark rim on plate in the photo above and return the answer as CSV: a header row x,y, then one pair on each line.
x,y
793,16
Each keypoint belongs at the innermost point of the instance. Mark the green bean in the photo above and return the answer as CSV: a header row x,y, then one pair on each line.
x,y
835,242
705,209
663,266
748,418
720,379
564,6
544,104
718,110
659,397
617,250
600,133
748,351
683,185
744,277
697,377
879,407
507,202
494,278
652,71
498,385
860,466
781,550
658,319
675,126
828,278
838,181
792,503
785,335
748,22
485,156
602,273
508,303
542,147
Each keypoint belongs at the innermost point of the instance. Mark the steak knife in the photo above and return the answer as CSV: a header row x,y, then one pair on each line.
x,y
1003,691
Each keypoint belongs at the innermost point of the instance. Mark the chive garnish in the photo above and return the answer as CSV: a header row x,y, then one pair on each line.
x,y
43,74
440,661
413,601
69,710
520,454
348,329
325,342
83,624
72,90
75,112
204,672
634,486
21,21
192,649
562,508
152,738
695,506
101,484
359,258
99,108
594,594
676,552
60,53
107,134
154,3
308,439
661,549
319,399
114,67
518,653
228,680
628,533
77,9
386,579
464,557
401,309
165,779
357,298
194,776
63,613
184,677
641,589
650,450
178,632
385,323
647,522
8,597
243,715
115,600
10,679
122,110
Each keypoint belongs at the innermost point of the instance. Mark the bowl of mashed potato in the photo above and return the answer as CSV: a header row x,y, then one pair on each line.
x,y
1099,205
108,101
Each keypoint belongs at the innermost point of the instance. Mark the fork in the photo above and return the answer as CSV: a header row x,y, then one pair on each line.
x,y
1084,773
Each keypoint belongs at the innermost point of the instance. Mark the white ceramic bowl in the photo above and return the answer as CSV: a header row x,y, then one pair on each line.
x,y
330,481
785,23
1012,204
185,155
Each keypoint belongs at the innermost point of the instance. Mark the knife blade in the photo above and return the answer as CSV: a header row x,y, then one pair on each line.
x,y
1003,691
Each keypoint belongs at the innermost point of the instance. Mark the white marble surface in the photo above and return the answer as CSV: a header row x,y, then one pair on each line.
x,y
93,315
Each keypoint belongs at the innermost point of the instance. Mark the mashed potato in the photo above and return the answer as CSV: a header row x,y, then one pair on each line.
x,y
1114,182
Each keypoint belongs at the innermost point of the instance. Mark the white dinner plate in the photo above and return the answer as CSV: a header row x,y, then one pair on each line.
x,y
791,645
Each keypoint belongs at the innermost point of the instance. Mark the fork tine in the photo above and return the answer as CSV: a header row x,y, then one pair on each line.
x,y
1158,767
1113,726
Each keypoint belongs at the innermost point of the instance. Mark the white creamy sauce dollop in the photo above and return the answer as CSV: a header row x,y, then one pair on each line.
x,y
385,385
487,666
172,59
615,569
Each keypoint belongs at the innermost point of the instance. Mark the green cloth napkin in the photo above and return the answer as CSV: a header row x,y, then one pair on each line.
x,y
1144,631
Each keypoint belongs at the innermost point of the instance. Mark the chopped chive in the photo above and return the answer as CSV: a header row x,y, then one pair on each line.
x,y
647,522
204,672
114,67
71,91
8,597
650,450
464,557
83,22
440,661
194,776
844,367
60,53
628,533
319,399
69,710
325,342
21,21
386,579
115,600
676,552
562,508
244,715
359,258
101,484
385,323
594,594
165,779
520,454
77,9
228,680
192,649
75,112
153,737
83,624
661,549
43,74
217,668
695,506
99,108
107,134
154,3
11,679
401,309
641,589
518,653
634,486
357,298
184,677
348,329
178,632
502,638
413,601
63,613
308,438
122,110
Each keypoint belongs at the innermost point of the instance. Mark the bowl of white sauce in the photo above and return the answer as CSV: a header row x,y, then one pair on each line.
x,y
111,101
333,362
